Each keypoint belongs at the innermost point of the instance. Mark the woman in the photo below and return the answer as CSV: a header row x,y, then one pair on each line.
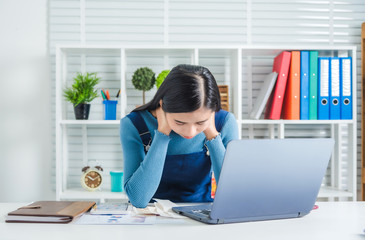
x,y
172,144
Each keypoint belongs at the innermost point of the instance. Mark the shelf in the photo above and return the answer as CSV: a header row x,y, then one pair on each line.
x,y
328,192
268,121
83,194
91,50
245,121
77,47
241,67
90,122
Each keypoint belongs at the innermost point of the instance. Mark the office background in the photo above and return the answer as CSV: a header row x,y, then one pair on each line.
x,y
31,31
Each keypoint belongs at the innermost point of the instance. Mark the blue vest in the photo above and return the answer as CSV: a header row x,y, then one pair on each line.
x,y
185,177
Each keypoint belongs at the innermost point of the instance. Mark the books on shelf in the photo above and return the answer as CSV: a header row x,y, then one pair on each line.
x,y
291,107
313,85
263,96
346,87
223,91
323,88
335,93
335,88
308,87
275,103
304,85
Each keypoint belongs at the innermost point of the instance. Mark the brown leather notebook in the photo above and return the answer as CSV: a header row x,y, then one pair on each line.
x,y
49,212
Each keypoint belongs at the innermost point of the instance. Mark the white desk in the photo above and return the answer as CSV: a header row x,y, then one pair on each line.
x,y
332,220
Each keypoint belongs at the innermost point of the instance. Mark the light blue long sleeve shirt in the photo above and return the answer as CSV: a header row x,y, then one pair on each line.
x,y
142,173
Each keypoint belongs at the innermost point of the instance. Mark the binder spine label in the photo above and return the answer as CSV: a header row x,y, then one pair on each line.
x,y
335,77
324,84
346,78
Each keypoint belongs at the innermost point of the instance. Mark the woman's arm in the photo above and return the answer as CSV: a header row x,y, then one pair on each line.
x,y
142,173
217,146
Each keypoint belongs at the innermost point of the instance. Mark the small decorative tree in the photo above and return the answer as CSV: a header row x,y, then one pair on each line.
x,y
143,79
161,77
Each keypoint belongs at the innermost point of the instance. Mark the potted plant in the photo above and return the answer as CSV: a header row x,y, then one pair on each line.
x,y
161,77
81,93
143,79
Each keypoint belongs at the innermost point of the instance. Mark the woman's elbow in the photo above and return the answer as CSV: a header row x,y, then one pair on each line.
x,y
137,200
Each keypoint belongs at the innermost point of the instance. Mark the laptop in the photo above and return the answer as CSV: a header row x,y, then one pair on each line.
x,y
266,179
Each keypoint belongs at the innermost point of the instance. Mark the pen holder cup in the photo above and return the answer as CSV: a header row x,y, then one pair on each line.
x,y
116,181
110,107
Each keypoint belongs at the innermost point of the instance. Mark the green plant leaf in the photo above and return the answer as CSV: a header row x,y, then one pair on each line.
x,y
83,89
161,77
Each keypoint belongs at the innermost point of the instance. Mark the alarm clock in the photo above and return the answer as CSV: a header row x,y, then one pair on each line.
x,y
92,178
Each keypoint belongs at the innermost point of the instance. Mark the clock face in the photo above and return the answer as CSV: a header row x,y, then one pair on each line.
x,y
92,179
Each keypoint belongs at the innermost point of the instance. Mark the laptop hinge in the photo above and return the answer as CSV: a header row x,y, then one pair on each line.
x,y
220,221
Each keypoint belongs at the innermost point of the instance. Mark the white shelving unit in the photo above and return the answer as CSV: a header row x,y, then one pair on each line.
x,y
241,67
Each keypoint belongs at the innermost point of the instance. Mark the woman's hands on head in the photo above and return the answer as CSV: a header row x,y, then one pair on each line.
x,y
187,125
211,132
163,126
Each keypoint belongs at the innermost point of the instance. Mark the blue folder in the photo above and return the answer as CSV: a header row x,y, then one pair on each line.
x,y
346,87
304,85
323,88
313,85
335,106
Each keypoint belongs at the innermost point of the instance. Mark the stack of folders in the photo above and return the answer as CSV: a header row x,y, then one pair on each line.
x,y
309,87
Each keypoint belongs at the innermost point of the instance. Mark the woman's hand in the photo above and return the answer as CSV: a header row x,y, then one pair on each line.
x,y
163,126
211,132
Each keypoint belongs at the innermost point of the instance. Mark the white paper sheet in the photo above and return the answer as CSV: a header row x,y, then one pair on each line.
x,y
114,219
161,208
112,208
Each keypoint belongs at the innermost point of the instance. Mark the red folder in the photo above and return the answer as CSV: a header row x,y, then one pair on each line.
x,y
291,107
281,66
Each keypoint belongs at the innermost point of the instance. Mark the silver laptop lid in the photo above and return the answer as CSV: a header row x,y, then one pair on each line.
x,y
266,177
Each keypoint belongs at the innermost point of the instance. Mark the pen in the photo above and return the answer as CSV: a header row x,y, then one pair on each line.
x,y
103,95
118,94
30,207
107,95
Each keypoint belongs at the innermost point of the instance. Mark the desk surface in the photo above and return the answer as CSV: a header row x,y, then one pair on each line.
x,y
332,220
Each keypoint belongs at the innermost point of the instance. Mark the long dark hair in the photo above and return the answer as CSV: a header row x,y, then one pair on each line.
x,y
185,89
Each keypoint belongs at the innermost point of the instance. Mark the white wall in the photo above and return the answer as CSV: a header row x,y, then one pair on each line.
x,y
199,22
25,116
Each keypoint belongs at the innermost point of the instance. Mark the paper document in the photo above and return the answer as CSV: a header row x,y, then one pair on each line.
x,y
112,208
115,219
161,208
